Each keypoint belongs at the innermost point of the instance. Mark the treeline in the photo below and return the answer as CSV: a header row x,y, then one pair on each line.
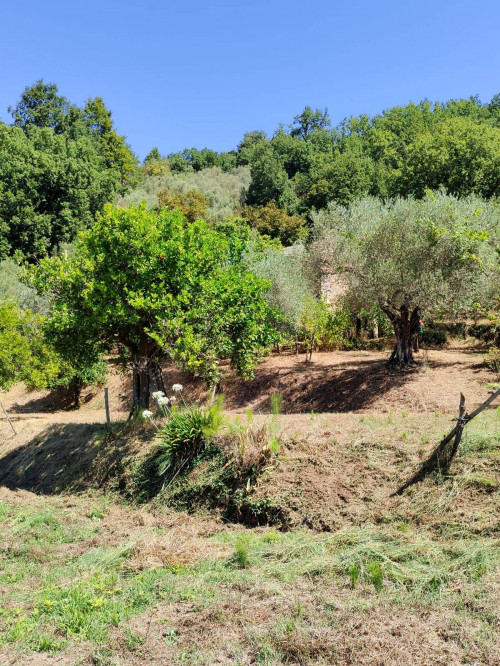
x,y
59,165
402,152
189,265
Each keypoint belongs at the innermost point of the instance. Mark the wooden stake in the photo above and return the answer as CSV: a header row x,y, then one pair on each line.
x,y
7,417
443,454
106,404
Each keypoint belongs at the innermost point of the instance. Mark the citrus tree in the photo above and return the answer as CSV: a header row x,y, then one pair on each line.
x,y
156,287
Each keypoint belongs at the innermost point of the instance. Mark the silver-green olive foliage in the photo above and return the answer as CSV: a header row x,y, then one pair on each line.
x,y
436,256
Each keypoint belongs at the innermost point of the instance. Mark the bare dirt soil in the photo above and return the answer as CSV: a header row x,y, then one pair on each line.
x,y
352,430
333,382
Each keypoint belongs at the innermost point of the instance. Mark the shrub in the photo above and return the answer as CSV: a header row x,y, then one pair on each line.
x,y
484,332
492,359
74,378
187,432
184,436
432,337
193,205
276,223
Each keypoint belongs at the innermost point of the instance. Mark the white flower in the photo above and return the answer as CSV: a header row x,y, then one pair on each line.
x,y
146,414
177,387
173,398
163,400
158,394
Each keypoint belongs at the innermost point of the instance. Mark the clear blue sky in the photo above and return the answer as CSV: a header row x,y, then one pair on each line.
x,y
192,73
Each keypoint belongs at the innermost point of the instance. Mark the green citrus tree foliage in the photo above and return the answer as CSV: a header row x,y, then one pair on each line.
x,y
28,355
158,287
415,258
24,354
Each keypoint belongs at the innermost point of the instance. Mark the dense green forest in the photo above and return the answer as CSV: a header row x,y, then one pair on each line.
x,y
403,152
59,165
401,207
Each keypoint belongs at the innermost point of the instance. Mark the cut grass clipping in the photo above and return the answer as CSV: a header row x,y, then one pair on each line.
x,y
86,596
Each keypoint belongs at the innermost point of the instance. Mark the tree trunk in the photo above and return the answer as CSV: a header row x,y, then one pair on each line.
x,y
406,330
146,373
144,369
358,327
76,389
157,374
311,347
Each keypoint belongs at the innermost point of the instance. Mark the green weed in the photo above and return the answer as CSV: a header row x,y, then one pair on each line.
x,y
242,553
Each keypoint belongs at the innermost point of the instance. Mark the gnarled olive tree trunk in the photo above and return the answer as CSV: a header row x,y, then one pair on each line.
x,y
405,323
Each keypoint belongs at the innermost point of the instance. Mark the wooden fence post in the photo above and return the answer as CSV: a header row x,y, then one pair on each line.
x,y
106,404
7,417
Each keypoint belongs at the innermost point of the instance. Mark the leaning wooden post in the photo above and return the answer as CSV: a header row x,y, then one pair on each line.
x,y
106,404
462,420
8,419
443,454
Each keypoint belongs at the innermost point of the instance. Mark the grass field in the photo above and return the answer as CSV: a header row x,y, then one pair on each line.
x,y
346,575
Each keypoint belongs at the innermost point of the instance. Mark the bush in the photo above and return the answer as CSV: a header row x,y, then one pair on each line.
x,y
276,223
184,436
433,337
74,378
193,205
485,332
492,360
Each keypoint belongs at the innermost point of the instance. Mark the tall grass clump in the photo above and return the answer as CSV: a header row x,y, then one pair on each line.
x,y
258,441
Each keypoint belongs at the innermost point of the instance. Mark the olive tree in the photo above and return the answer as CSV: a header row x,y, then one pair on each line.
x,y
155,287
290,290
414,258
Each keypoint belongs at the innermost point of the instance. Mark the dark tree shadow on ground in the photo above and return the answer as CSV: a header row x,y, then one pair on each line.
x,y
307,387
70,458
61,399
